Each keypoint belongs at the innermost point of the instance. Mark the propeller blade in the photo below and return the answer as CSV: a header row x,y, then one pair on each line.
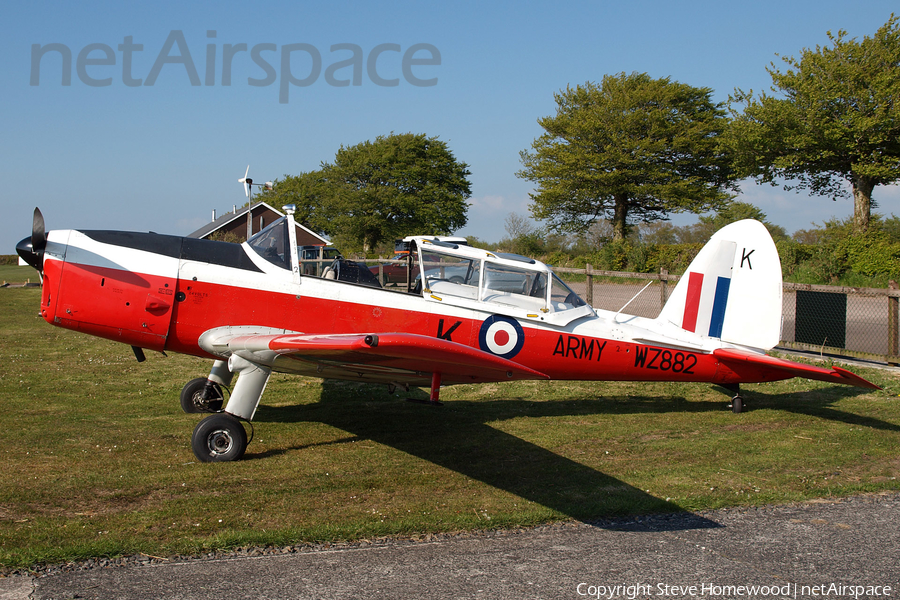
x,y
246,189
38,233
31,249
244,178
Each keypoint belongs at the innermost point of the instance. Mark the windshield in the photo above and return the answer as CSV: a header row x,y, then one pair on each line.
x,y
272,242
562,296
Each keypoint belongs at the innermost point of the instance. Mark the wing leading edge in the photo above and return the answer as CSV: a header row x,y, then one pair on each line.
x,y
738,359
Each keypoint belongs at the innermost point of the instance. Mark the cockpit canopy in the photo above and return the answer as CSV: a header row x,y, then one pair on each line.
x,y
451,273
512,284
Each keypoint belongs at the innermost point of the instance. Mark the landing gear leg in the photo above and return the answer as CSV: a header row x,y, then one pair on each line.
x,y
222,437
435,388
434,397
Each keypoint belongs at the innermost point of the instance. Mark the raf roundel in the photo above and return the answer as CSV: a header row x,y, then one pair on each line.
x,y
501,336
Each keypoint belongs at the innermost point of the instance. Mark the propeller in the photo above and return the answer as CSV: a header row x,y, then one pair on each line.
x,y
32,249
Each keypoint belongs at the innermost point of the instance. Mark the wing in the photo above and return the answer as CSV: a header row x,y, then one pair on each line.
x,y
785,369
380,358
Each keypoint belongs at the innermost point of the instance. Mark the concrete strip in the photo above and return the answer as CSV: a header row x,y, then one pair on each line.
x,y
16,588
851,542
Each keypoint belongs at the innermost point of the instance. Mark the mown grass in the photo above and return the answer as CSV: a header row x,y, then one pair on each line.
x,y
96,457
16,274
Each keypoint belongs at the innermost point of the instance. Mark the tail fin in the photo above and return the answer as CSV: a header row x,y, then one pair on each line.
x,y
732,289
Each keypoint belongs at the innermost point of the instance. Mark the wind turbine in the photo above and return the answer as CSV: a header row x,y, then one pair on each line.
x,y
248,184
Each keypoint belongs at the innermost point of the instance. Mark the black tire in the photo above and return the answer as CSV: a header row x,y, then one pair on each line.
x,y
219,438
192,397
737,405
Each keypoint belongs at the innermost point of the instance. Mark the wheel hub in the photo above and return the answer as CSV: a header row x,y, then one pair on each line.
x,y
198,400
219,441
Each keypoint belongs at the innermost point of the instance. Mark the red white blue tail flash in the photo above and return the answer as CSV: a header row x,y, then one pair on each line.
x,y
732,289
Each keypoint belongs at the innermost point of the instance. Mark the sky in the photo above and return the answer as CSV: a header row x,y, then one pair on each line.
x,y
147,136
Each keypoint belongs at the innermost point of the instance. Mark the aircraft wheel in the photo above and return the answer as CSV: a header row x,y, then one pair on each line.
x,y
737,404
192,397
219,438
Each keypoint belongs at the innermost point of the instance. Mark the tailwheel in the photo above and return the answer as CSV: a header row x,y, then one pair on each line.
x,y
219,438
737,404
201,395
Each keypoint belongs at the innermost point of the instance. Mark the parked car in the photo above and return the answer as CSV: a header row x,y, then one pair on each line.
x,y
395,270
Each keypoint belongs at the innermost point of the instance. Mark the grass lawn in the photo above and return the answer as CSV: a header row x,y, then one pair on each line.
x,y
97,461
17,274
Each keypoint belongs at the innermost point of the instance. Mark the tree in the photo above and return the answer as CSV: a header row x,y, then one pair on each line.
x,y
396,186
735,211
522,237
836,120
630,149
308,192
517,226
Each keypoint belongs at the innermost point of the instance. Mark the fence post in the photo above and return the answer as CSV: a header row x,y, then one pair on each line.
x,y
893,321
589,271
663,287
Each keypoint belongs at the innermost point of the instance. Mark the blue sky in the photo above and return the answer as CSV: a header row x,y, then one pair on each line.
x,y
162,157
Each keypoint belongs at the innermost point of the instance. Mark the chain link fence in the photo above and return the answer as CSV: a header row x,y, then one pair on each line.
x,y
856,322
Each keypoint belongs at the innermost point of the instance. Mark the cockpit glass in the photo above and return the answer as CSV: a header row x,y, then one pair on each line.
x,y
562,296
272,243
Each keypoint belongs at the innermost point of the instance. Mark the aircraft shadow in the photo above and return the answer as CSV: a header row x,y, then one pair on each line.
x,y
457,436
815,404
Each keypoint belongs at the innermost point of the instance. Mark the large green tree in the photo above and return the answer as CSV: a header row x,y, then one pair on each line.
x,y
308,192
631,149
395,186
835,119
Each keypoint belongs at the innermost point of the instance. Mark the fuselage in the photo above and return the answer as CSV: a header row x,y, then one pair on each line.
x,y
164,292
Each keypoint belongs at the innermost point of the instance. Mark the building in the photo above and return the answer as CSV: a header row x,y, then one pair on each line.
x,y
244,222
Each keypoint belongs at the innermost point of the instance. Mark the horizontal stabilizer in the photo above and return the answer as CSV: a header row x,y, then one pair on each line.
x,y
738,358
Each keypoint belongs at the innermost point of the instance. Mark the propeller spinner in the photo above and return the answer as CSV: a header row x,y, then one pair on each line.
x,y
31,249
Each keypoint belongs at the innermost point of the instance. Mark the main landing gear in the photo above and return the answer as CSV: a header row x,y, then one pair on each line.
x,y
221,437
737,401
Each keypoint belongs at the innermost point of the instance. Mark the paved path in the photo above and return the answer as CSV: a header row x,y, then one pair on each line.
x,y
852,542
